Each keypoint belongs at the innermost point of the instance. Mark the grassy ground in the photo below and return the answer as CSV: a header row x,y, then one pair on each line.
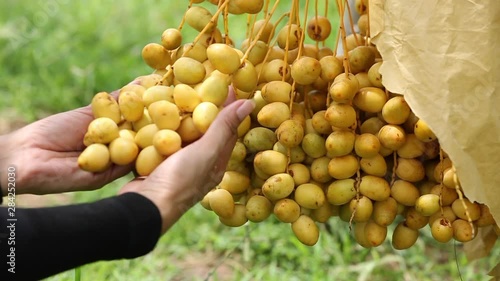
x,y
57,54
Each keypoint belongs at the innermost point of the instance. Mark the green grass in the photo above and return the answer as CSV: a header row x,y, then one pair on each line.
x,y
56,55
269,251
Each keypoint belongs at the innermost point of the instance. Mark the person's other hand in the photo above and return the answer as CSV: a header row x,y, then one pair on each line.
x,y
187,175
45,153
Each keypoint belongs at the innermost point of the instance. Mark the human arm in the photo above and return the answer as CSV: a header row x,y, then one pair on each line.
x,y
50,240
44,154
186,176
46,241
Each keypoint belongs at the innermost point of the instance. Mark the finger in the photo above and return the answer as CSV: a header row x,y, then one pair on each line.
x,y
118,171
98,180
64,131
222,133
223,158
86,110
220,139
231,97
227,121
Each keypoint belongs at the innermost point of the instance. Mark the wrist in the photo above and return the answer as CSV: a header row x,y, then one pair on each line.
x,y
14,158
168,212
4,162
170,206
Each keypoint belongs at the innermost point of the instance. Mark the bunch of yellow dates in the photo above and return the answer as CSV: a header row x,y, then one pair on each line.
x,y
325,139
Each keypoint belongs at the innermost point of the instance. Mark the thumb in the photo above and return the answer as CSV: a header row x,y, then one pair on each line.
x,y
226,124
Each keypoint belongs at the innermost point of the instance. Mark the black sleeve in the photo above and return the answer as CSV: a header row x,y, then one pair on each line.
x,y
41,242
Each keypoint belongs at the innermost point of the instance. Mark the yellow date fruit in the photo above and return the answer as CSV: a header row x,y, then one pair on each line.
x,y
473,209
340,143
323,213
396,110
165,115
442,230
203,116
171,38
245,78
258,208
403,237
423,132
341,192
156,93
131,106
415,219
405,192
123,151
237,218
223,57
289,36
277,91
188,131
278,186
300,173
185,97
156,56
362,209
375,234
306,230
222,203
411,170
341,116
167,142
375,166
104,105
305,70
198,17
384,212
319,28
314,145
343,167
189,71
259,139
309,196
331,67
273,114
144,121
319,170
392,137
427,204
375,188
370,99
144,137
102,130
286,210
235,182
462,230
367,145
290,133
147,160
94,158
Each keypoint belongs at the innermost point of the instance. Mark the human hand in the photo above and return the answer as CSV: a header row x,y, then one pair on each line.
x,y
45,155
186,176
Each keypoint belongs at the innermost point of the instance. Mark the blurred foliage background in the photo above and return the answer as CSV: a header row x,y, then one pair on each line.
x,y
56,54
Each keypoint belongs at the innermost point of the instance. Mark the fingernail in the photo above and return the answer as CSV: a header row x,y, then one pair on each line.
x,y
245,109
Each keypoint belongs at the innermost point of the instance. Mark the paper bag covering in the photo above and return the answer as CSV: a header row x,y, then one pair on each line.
x,y
444,57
